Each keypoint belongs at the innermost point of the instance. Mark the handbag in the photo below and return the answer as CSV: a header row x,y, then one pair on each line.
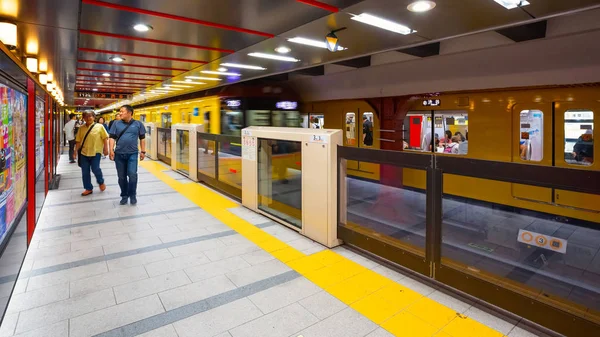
x,y
83,142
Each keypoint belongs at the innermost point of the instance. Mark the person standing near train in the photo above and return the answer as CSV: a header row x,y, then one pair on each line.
x,y
124,135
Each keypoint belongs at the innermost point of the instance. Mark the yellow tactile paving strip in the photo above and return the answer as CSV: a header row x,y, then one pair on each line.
x,y
398,309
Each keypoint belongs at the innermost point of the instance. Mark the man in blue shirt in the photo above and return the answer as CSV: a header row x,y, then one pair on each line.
x,y
124,135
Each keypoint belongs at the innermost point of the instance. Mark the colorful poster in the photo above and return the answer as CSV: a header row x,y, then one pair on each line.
x,y
13,177
39,136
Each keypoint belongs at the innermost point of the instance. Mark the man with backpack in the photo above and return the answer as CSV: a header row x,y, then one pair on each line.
x,y
91,141
124,135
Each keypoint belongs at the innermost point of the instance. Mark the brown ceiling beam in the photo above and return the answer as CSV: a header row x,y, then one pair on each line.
x,y
102,51
142,39
117,79
175,17
121,72
130,65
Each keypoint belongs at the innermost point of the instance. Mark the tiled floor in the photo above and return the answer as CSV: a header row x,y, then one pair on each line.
x,y
168,267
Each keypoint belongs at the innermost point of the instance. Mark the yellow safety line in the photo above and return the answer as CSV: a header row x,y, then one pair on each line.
x,y
398,309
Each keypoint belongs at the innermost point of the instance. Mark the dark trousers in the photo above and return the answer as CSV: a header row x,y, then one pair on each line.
x,y
71,149
127,167
92,163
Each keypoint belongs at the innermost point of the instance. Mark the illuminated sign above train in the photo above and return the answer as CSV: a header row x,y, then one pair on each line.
x,y
432,102
234,103
286,105
101,95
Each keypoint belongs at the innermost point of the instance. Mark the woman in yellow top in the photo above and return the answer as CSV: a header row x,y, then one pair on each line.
x,y
91,141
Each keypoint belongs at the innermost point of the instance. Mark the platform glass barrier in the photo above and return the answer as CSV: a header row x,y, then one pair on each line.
x,y
164,145
230,163
206,156
388,211
280,179
183,149
148,139
220,169
539,254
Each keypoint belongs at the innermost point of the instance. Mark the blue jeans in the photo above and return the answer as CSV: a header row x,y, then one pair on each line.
x,y
92,163
127,167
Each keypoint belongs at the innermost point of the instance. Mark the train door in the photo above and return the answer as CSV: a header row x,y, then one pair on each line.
x,y
574,134
351,135
532,144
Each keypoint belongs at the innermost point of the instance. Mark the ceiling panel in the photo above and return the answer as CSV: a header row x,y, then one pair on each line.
x,y
127,69
63,13
145,48
144,61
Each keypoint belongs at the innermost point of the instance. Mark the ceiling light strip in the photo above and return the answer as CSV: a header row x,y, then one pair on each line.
x,y
141,39
175,17
242,66
90,50
131,65
274,57
121,72
319,4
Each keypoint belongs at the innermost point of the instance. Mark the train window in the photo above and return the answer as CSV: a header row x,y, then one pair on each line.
x,y
367,126
143,118
232,122
416,132
351,128
579,137
451,132
531,140
286,118
316,121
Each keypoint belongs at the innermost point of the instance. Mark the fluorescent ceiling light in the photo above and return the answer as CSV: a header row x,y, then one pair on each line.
x,y
312,43
106,75
167,88
140,27
242,66
189,82
204,78
274,57
222,69
421,6
117,59
178,86
219,73
283,50
383,24
510,4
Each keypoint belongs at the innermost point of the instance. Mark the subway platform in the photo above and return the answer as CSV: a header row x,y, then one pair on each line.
x,y
188,261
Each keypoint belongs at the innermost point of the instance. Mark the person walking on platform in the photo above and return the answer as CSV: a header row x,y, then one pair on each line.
x,y
69,130
117,118
124,135
91,142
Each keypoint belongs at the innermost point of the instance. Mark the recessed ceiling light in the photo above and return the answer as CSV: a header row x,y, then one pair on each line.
x,y
203,78
117,59
242,66
140,27
313,43
510,4
222,69
106,75
189,81
421,6
274,57
99,83
283,50
219,73
383,24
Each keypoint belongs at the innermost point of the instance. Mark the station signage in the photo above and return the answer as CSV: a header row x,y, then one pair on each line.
x,y
543,241
234,103
432,102
101,95
286,105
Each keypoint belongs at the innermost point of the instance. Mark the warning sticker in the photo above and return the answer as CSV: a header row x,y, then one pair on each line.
x,y
249,148
543,241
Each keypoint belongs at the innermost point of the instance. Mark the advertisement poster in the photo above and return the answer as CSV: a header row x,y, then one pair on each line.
x,y
13,180
39,136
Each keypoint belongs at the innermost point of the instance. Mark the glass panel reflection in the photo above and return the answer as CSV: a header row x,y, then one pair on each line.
x,y
162,142
230,163
538,254
280,179
183,151
148,142
388,211
206,156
